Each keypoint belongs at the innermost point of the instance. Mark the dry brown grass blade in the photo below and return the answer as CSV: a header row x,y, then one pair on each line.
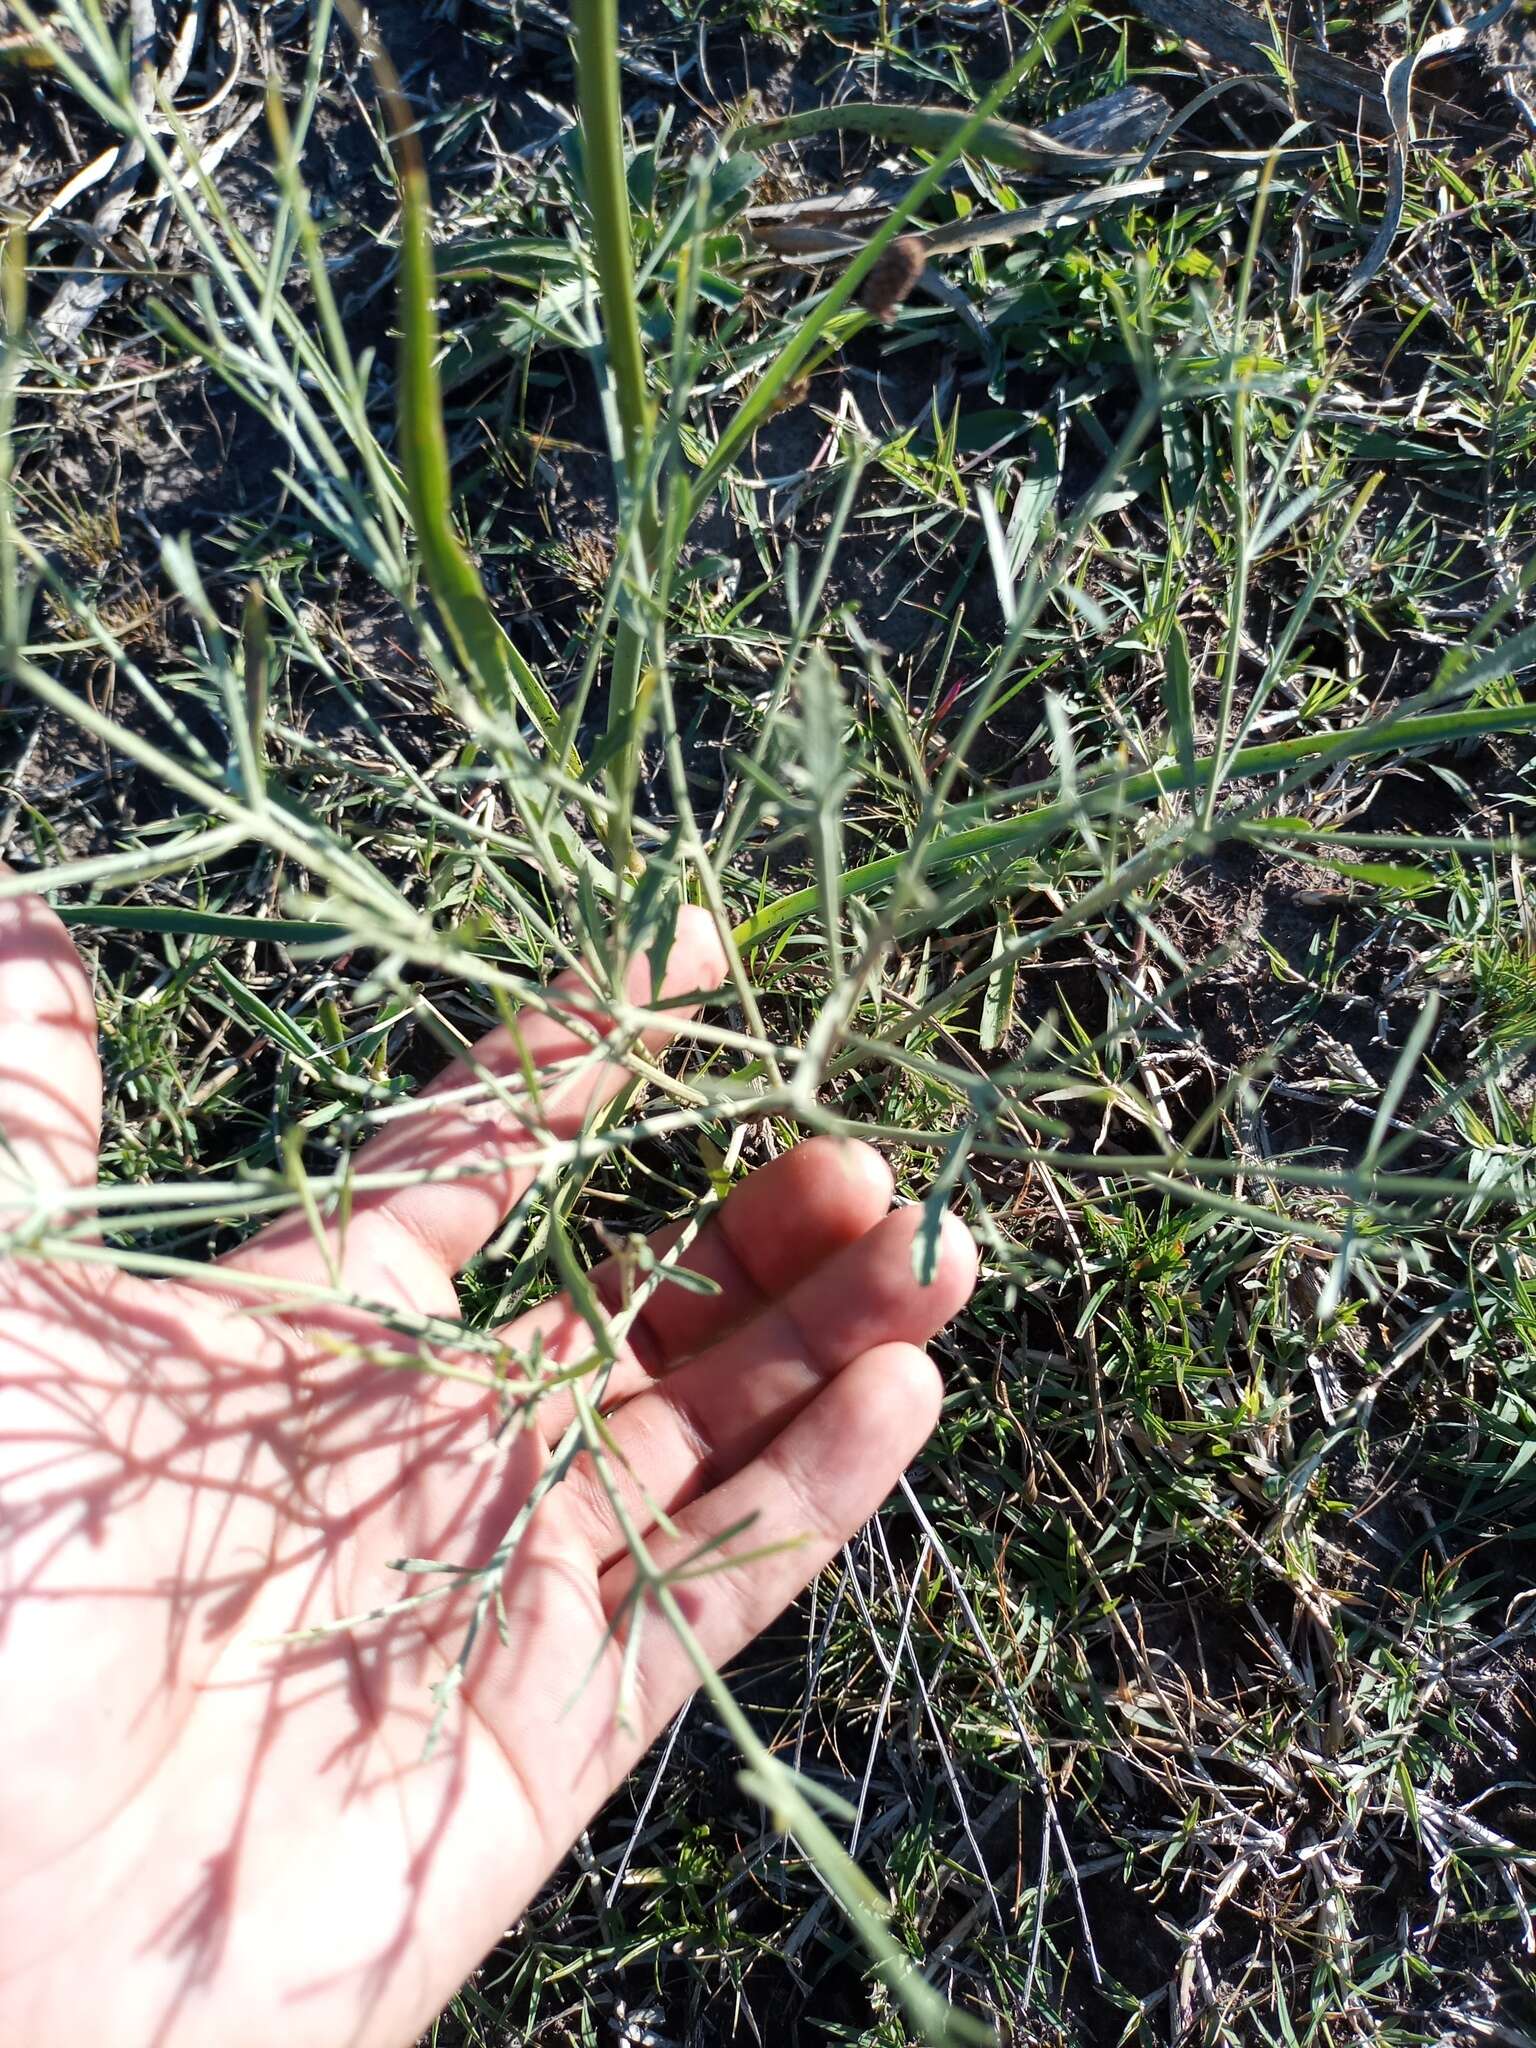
x,y
131,201
1398,96
1349,95
825,226
1124,124
1089,140
827,241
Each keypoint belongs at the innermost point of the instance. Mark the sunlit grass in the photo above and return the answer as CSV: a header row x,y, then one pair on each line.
x,y
1097,713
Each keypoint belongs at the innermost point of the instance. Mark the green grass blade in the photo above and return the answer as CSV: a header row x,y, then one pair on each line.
x,y
203,924
1118,790
504,680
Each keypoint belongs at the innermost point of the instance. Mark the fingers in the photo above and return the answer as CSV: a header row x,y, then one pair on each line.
x,y
776,1227
571,1710
50,1077
775,1443
406,1244
722,1409
802,1498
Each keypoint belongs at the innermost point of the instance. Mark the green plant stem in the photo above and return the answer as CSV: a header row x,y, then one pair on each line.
x,y
504,677
595,33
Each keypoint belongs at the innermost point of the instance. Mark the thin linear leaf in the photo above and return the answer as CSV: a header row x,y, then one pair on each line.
x,y
505,680
1275,757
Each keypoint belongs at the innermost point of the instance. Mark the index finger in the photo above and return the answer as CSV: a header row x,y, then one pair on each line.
x,y
405,1244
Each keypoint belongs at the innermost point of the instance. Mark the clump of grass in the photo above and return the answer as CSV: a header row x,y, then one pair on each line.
x,y
1096,714
1505,977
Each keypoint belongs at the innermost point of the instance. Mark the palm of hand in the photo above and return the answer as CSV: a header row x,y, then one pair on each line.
x,y
242,1837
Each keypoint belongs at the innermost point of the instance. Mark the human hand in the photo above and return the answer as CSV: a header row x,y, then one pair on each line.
x,y
240,1840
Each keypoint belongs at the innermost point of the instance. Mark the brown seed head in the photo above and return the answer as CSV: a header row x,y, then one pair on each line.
x,y
891,281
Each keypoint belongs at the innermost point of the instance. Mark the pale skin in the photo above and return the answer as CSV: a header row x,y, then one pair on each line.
x,y
207,1835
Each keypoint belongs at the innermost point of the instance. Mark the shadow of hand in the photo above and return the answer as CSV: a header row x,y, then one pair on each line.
x,y
240,1835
